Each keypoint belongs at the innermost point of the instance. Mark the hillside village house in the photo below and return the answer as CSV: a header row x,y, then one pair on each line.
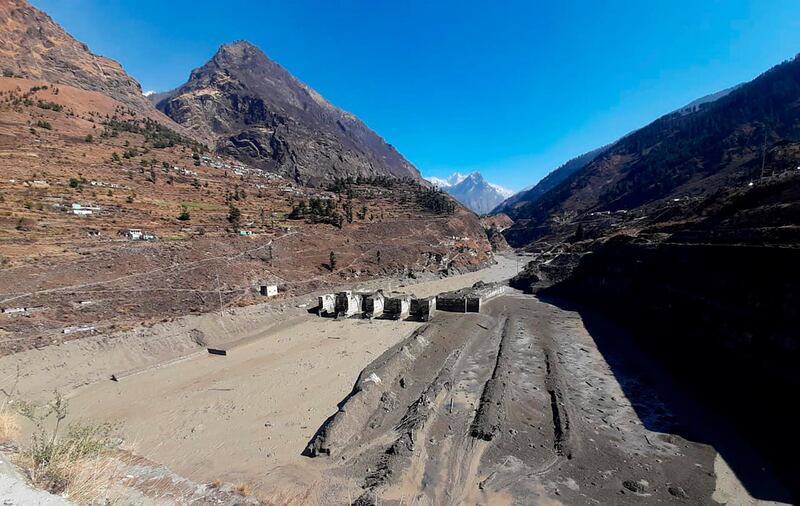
x,y
135,234
83,210
268,290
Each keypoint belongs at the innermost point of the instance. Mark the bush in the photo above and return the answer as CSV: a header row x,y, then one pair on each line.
x,y
234,215
75,182
52,106
75,464
184,216
89,138
25,224
44,124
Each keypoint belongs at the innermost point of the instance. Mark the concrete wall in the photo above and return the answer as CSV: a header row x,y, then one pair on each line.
x,y
327,304
423,308
454,304
348,303
374,304
397,307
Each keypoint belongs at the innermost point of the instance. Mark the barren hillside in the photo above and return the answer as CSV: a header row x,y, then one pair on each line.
x,y
61,147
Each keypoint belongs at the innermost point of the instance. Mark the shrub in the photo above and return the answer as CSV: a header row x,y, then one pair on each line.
x,y
184,216
89,138
25,224
75,464
234,215
242,489
52,106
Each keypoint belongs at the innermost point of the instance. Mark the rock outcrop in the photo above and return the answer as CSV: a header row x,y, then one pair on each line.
x,y
33,46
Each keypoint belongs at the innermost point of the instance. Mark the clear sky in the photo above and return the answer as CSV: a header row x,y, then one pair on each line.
x,y
509,88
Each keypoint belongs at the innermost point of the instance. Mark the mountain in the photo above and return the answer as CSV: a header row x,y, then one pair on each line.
x,y
32,46
677,156
535,192
86,158
453,179
473,191
695,105
247,106
548,182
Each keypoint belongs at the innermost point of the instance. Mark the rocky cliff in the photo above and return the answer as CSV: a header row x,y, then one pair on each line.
x,y
32,46
251,108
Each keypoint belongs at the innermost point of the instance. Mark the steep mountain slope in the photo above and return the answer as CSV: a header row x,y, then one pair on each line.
x,y
251,108
679,155
33,46
83,165
549,182
554,178
473,191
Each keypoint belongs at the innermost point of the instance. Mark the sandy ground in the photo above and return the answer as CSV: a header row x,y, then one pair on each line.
x,y
244,417
514,405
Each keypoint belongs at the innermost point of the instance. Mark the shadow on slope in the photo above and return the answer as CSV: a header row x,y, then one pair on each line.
x,y
690,392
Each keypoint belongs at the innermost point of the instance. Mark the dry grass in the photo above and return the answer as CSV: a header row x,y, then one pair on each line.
x,y
78,464
288,499
84,481
242,489
9,428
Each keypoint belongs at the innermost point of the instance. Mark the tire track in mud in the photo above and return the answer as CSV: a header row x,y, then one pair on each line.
x,y
433,456
488,416
561,428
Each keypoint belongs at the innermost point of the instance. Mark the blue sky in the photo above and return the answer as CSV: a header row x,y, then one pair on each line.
x,y
512,89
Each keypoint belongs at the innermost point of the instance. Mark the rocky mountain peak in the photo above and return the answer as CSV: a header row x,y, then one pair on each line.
x,y
250,107
472,190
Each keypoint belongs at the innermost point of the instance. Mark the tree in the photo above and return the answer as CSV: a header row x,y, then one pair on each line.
x,y
234,215
184,216
89,138
378,257
332,261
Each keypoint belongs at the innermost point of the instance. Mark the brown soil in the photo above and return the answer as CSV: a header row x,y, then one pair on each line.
x,y
52,260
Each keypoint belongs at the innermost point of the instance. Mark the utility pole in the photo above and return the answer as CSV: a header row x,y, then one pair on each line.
x,y
763,157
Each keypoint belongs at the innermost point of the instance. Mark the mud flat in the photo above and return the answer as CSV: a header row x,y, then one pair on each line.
x,y
246,416
515,404
512,406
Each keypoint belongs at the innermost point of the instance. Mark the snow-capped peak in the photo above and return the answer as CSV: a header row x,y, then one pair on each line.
x,y
505,192
472,190
451,180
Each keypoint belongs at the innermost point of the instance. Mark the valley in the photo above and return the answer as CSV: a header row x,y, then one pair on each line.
x,y
233,292
515,402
